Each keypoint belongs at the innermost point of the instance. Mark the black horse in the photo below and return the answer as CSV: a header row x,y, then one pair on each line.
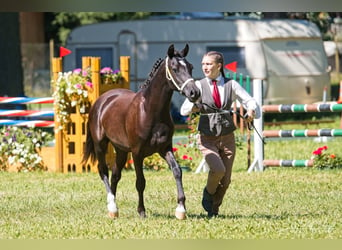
x,y
140,123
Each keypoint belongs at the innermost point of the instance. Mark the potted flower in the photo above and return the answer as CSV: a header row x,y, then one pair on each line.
x,y
185,155
109,76
324,160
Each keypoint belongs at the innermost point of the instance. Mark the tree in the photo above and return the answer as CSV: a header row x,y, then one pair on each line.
x,y
11,74
63,22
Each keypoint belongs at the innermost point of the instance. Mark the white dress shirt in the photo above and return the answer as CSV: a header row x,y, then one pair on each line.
x,y
239,93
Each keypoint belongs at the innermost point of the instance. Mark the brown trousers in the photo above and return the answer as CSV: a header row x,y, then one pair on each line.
x,y
219,153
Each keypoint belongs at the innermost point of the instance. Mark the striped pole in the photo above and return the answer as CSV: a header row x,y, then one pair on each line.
x,y
288,163
302,108
302,133
33,123
26,100
26,113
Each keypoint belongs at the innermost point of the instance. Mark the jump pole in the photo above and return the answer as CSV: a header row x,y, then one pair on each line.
x,y
257,164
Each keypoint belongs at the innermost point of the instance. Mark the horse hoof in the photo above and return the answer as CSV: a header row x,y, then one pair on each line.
x,y
180,212
142,215
113,215
180,215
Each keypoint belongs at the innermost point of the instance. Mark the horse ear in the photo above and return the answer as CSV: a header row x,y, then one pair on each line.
x,y
185,51
171,51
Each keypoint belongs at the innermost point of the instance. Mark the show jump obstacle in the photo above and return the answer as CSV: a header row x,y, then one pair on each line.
x,y
70,142
259,163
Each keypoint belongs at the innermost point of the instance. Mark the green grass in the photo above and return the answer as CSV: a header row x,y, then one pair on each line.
x,y
279,203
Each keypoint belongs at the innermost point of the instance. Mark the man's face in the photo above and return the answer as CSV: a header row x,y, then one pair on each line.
x,y
210,68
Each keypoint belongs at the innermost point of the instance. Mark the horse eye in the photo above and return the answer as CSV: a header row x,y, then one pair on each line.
x,y
175,70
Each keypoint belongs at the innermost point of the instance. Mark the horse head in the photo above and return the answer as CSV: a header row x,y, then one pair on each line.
x,y
179,73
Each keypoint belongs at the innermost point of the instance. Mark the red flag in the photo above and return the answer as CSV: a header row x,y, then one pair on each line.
x,y
64,52
231,66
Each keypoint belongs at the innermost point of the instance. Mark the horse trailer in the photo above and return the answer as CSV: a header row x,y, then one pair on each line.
x,y
288,55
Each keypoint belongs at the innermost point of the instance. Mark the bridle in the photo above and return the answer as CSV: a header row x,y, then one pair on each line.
x,y
170,77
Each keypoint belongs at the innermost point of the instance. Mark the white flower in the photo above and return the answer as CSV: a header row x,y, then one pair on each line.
x,y
82,109
73,103
11,160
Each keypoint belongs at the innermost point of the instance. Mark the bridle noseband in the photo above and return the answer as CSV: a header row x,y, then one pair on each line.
x,y
170,77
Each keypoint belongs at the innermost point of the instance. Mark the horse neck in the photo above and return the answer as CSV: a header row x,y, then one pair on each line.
x,y
158,94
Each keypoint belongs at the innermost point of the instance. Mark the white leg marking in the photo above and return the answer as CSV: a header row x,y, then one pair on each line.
x,y
180,212
111,203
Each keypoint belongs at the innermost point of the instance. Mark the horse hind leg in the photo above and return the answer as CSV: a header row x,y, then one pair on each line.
x,y
101,149
120,161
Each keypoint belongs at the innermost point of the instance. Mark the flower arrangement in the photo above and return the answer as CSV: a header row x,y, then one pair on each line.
x,y
155,162
185,155
72,91
324,160
110,76
20,147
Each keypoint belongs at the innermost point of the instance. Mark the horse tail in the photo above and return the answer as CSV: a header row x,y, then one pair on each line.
x,y
89,150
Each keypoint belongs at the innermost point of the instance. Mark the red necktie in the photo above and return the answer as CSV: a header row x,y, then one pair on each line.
x,y
216,95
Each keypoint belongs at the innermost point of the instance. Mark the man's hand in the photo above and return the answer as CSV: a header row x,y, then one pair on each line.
x,y
250,115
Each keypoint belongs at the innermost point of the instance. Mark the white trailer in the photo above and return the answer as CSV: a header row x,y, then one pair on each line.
x,y
288,55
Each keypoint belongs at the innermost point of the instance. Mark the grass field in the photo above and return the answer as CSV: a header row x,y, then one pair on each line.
x,y
279,203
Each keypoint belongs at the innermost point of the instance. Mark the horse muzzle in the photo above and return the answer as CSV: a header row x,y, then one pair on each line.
x,y
191,91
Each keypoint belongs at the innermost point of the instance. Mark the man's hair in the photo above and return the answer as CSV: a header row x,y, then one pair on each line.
x,y
218,56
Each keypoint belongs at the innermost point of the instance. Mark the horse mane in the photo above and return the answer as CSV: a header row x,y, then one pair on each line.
x,y
152,73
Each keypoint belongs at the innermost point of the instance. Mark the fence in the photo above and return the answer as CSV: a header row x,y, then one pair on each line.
x,y
259,163
23,117
69,142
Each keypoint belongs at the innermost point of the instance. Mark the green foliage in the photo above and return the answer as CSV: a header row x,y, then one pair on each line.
x,y
64,22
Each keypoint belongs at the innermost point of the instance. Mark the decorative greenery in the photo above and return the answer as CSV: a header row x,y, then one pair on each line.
x,y
185,155
324,160
155,162
20,146
72,91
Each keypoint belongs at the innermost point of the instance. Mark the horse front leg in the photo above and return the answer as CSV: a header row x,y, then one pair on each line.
x,y
177,173
140,184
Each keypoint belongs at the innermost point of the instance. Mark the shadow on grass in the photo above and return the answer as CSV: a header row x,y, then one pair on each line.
x,y
201,216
